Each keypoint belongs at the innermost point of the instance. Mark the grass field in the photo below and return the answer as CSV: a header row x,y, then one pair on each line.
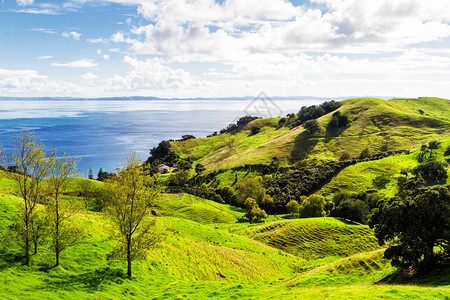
x,y
207,253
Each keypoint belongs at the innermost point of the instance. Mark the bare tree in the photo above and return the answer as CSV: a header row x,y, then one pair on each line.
x,y
63,233
31,166
131,193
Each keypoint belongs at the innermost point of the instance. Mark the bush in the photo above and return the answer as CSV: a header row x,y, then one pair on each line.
x,y
255,130
292,207
345,156
240,124
187,137
364,154
179,178
312,126
432,172
447,152
338,120
354,207
313,206
256,214
381,181
281,122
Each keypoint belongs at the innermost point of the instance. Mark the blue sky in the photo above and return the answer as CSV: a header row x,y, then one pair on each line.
x,y
206,48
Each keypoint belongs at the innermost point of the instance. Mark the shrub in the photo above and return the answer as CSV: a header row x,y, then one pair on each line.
x,y
447,152
364,154
432,172
256,214
345,156
292,207
312,126
187,137
381,181
255,130
313,206
354,207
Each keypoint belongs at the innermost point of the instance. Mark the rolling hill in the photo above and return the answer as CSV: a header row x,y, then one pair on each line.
x,y
208,253
398,124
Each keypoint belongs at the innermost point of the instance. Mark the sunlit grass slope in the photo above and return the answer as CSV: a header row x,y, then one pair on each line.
x,y
359,178
207,253
196,209
315,238
398,124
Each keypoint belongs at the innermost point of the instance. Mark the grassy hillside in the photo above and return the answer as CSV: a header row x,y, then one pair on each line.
x,y
398,124
207,253
360,177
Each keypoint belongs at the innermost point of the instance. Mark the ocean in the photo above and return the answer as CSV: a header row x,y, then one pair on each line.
x,y
102,132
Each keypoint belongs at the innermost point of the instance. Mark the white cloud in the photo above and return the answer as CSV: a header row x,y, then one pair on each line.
x,y
151,74
17,78
24,2
89,76
30,82
97,41
82,63
44,57
73,34
44,30
37,11
105,56
327,47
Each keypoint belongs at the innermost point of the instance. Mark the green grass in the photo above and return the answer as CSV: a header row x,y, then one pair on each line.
x,y
315,238
219,260
359,177
197,209
374,123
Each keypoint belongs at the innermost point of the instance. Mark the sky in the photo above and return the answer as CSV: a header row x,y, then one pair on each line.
x,y
207,48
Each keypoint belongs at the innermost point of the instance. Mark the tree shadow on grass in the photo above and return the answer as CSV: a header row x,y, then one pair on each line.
x,y
303,145
347,221
90,281
9,258
439,275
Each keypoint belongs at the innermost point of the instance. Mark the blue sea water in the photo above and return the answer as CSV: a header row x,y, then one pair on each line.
x,y
101,132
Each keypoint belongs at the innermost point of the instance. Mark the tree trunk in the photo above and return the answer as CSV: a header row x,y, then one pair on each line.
x,y
129,257
27,240
35,247
57,259
57,230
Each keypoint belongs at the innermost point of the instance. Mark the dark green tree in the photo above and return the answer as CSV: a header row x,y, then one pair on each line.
x,y
90,174
255,130
447,152
292,207
199,168
412,223
432,172
312,126
433,145
313,206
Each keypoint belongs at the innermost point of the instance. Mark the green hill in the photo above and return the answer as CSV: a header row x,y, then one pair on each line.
x,y
397,123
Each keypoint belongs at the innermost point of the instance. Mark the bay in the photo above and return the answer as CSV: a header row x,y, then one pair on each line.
x,y
101,132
